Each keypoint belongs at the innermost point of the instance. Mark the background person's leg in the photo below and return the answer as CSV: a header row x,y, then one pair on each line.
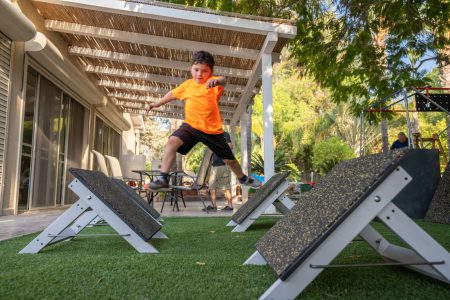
x,y
212,187
243,179
229,198
213,198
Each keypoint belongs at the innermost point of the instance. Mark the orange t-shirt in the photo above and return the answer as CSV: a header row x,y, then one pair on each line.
x,y
202,105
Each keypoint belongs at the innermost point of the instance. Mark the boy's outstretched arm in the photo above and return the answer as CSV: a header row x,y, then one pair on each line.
x,y
210,83
167,98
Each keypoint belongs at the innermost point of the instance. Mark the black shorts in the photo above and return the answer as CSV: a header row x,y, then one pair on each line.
x,y
191,136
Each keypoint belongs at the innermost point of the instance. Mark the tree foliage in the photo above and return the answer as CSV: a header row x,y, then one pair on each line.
x,y
363,49
154,137
194,158
280,165
266,8
328,153
300,115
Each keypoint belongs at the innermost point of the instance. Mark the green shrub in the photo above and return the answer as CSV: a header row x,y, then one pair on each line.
x,y
328,153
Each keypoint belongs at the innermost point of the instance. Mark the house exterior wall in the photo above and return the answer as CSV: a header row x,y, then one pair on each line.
x,y
128,138
95,104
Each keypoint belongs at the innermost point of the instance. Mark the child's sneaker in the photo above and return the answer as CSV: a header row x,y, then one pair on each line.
x,y
251,182
159,184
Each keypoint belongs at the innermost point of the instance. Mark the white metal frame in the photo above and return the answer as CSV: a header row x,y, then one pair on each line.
x,y
276,197
424,249
78,216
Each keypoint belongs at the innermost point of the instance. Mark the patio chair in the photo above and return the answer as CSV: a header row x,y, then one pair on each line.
x,y
131,164
185,182
116,172
101,162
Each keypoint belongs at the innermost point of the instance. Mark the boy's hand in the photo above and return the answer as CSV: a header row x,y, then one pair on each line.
x,y
210,83
152,106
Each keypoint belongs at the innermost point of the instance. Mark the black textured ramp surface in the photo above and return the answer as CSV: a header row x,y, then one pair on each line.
x,y
423,166
135,197
258,197
127,209
439,210
287,244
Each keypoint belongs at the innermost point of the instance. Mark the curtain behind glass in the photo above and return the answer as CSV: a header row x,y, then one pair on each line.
x,y
76,145
116,143
107,140
27,137
47,141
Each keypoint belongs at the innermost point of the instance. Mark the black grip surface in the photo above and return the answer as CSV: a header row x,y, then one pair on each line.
x,y
133,214
258,197
290,241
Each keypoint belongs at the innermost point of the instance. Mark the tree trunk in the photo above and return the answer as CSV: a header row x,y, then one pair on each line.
x,y
384,135
379,38
447,122
415,122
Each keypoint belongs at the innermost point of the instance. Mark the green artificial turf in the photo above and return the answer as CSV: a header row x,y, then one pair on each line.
x,y
201,259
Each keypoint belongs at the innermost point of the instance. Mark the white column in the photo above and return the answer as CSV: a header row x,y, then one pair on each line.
x,y
233,176
137,142
269,164
244,152
244,149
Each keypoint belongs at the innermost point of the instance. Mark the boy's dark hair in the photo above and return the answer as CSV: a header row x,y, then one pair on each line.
x,y
203,57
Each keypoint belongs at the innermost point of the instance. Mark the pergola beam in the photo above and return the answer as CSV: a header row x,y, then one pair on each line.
x,y
150,77
225,101
147,39
160,114
132,87
168,109
152,61
175,104
181,16
133,97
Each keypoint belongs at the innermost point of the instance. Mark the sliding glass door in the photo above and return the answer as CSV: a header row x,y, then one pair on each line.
x,y
53,140
46,190
76,145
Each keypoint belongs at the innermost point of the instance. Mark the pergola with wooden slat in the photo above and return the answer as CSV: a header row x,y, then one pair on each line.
x,y
136,51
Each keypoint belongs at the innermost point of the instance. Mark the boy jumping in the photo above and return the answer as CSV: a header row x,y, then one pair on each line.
x,y
203,122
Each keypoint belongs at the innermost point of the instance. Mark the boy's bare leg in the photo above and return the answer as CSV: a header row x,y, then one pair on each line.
x,y
235,167
243,179
170,152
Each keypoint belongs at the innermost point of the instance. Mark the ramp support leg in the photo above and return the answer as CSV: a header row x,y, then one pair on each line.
x,y
423,247
369,208
56,227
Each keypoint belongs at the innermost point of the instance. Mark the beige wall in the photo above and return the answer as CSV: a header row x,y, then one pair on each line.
x,y
13,145
128,138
